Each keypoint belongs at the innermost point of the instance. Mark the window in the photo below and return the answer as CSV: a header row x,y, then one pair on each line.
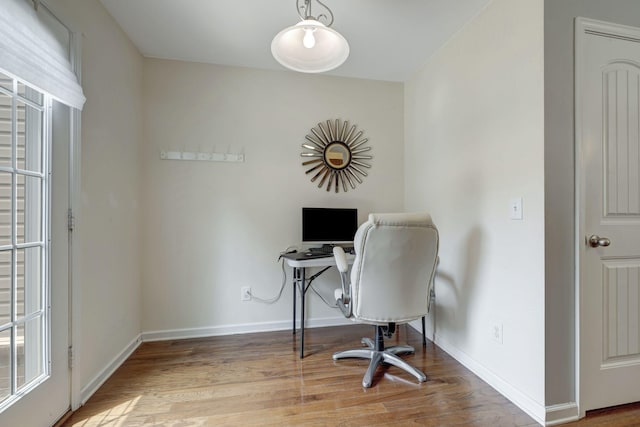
x,y
24,238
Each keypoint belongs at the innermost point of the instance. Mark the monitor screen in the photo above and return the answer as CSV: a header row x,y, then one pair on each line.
x,y
329,225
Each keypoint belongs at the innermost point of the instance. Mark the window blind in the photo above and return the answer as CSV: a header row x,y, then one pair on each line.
x,y
29,52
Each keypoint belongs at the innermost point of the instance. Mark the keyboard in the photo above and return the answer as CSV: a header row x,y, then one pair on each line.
x,y
328,250
325,250
297,256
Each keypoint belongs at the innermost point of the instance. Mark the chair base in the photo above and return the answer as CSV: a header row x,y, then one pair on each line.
x,y
378,355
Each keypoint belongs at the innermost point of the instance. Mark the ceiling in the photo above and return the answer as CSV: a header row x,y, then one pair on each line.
x,y
389,39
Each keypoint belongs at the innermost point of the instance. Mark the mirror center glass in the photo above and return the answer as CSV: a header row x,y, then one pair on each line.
x,y
337,155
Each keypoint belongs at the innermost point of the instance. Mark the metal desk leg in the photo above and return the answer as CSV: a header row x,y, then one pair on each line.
x,y
424,336
303,291
295,285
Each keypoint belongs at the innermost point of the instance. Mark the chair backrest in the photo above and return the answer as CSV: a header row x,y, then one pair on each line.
x,y
395,261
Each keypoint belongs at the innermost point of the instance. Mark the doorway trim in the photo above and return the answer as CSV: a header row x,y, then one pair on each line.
x,y
74,193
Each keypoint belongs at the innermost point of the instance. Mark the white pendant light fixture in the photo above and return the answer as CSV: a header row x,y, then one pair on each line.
x,y
310,46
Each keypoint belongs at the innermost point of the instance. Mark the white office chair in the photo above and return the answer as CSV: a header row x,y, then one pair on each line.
x,y
390,283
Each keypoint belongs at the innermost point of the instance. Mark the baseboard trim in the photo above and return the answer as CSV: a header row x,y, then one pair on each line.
x,y
108,370
522,401
242,328
562,413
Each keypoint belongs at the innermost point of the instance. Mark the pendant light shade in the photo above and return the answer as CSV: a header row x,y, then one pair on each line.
x,y
310,46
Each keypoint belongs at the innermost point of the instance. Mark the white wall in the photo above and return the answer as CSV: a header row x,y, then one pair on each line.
x,y
108,223
211,228
474,140
559,174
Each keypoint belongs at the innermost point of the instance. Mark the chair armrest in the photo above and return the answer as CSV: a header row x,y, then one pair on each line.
x,y
343,296
341,259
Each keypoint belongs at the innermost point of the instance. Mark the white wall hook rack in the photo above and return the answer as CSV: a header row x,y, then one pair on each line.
x,y
198,156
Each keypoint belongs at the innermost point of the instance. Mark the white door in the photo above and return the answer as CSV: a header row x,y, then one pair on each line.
x,y
34,368
608,168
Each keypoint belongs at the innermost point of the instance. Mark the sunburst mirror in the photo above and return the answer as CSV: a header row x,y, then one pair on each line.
x,y
336,153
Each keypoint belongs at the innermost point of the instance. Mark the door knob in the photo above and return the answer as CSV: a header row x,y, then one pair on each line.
x,y
595,241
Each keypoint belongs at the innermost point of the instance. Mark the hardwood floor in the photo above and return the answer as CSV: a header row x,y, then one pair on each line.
x,y
258,380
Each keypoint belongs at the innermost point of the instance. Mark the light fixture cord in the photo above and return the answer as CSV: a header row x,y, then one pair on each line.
x,y
308,14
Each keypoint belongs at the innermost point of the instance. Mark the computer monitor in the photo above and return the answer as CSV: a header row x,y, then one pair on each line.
x,y
329,225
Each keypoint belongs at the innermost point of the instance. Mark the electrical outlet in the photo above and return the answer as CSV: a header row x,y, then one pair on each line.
x,y
245,293
496,332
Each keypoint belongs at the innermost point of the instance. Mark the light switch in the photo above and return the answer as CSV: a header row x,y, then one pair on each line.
x,y
515,208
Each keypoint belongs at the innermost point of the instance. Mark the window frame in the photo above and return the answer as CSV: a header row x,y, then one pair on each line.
x,y
42,359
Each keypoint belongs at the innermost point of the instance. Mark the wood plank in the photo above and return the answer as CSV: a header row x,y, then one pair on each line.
x,y
258,380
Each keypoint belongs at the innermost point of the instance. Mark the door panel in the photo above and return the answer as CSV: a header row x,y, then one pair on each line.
x,y
608,138
620,93
620,312
45,404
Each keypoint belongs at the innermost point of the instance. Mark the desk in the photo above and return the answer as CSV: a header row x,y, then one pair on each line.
x,y
299,267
